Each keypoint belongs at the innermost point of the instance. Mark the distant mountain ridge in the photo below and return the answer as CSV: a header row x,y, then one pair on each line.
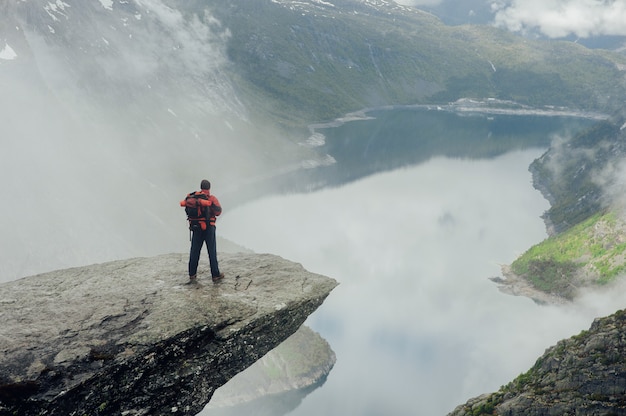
x,y
324,59
314,60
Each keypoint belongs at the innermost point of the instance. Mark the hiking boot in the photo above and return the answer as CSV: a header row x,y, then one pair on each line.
x,y
218,278
192,277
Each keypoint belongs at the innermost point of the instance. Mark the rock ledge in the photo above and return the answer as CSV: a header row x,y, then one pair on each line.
x,y
133,337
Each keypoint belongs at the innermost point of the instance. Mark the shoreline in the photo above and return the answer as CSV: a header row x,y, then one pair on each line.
x,y
512,284
467,106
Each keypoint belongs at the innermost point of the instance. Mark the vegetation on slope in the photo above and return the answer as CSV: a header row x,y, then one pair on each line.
x,y
585,219
320,62
590,253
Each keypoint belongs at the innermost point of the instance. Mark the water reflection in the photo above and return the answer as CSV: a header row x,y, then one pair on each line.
x,y
393,138
416,325
388,139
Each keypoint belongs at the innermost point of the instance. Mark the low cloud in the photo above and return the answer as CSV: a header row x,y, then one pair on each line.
x,y
416,246
560,18
128,119
612,179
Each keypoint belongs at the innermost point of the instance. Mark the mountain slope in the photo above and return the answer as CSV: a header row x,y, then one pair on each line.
x,y
583,179
318,60
582,375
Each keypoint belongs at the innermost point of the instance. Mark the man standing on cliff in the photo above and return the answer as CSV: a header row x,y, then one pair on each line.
x,y
202,227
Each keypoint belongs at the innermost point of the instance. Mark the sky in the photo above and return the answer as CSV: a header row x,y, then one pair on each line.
x,y
551,18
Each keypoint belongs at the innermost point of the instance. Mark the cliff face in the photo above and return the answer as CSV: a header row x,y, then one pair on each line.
x,y
292,359
582,375
278,382
133,337
578,176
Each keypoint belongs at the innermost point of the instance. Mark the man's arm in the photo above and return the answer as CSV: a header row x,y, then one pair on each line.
x,y
215,207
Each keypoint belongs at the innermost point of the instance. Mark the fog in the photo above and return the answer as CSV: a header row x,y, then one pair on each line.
x,y
104,131
416,324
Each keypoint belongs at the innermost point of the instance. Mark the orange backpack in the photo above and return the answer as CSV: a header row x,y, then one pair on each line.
x,y
195,211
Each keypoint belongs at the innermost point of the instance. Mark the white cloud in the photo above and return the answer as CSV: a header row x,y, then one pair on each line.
x,y
107,4
559,18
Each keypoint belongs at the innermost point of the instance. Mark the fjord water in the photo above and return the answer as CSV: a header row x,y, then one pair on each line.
x,y
412,231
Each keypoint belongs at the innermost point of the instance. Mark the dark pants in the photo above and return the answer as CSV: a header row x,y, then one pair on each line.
x,y
198,239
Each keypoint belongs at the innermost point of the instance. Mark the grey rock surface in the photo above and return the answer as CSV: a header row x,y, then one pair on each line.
x,y
134,337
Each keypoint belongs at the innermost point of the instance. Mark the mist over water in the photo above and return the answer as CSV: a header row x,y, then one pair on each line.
x,y
416,325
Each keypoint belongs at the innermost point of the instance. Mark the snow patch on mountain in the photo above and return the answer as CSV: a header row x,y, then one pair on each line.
x,y
56,8
107,4
315,5
7,53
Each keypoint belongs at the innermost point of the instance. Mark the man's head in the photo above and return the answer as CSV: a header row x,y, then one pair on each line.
x,y
205,184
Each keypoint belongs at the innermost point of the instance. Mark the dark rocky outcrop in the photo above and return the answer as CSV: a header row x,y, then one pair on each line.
x,y
134,337
583,375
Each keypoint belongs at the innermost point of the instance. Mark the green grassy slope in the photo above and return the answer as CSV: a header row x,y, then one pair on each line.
x,y
590,253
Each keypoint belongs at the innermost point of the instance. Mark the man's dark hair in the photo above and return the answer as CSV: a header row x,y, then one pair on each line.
x,y
205,184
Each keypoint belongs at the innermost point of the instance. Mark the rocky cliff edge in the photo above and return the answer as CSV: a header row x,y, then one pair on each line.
x,y
134,337
584,375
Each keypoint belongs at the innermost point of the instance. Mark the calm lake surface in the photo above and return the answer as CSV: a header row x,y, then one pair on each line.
x,y
412,230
